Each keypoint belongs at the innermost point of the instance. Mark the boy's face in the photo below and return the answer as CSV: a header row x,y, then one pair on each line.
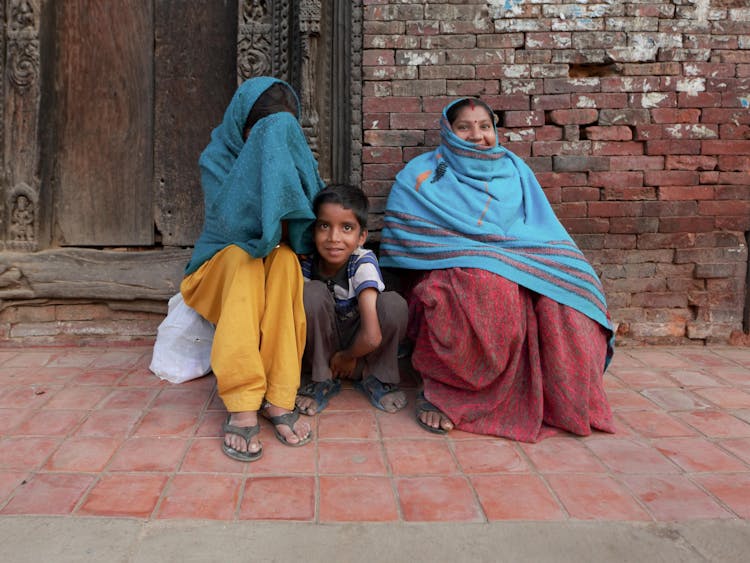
x,y
337,235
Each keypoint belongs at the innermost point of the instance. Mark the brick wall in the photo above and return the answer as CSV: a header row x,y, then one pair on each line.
x,y
634,114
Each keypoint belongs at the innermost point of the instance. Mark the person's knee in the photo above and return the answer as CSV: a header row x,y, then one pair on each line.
x,y
316,297
393,312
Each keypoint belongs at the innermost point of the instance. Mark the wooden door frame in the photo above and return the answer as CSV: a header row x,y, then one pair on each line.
x,y
29,269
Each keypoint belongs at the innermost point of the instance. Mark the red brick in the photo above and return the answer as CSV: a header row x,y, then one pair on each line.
x,y
624,225
636,163
468,41
630,84
616,148
523,118
390,72
652,100
651,69
724,207
690,162
410,88
735,223
381,155
421,120
616,179
615,208
599,101
391,12
378,57
722,115
734,163
725,147
621,241
568,148
524,86
377,188
390,41
394,138
500,41
572,209
686,192
422,27
739,178
580,193
612,133
670,177
591,225
731,192
573,116
629,193
579,163
559,40
698,99
391,104
551,101
624,116
691,131
651,241
649,132
553,195
550,179
567,85
470,87
708,176
500,103
674,146
734,131
685,224
411,152
669,208
670,115
379,27
381,171
375,120
548,133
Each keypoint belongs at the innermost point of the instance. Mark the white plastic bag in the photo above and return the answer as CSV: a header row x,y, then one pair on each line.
x,y
182,350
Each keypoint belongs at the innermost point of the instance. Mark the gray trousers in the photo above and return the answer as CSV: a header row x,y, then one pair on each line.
x,y
327,334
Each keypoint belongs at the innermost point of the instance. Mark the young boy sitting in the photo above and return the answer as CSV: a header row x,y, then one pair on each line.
x,y
353,326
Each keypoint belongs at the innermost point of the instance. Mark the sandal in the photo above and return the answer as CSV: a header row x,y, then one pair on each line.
x,y
245,432
375,390
423,405
321,392
287,419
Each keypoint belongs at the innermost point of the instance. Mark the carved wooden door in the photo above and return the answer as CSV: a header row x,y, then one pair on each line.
x,y
137,88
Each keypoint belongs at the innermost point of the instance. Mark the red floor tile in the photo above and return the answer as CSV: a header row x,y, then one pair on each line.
x,y
357,499
124,494
347,424
103,377
629,456
278,498
187,399
9,480
210,424
30,396
12,418
82,454
726,397
116,423
716,424
27,453
740,447
403,424
120,359
50,423
168,422
73,359
516,497
414,457
641,378
655,424
149,454
438,499
348,400
733,489
49,493
629,400
562,455
279,459
660,357
142,379
695,378
488,456
128,399
595,497
698,455
30,359
358,458
212,497
78,397
674,498
675,399
205,456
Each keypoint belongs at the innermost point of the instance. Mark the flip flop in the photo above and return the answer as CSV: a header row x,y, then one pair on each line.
x,y
245,432
375,390
321,392
287,419
423,405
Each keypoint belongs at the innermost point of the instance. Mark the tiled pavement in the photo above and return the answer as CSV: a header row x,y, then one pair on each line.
x,y
91,432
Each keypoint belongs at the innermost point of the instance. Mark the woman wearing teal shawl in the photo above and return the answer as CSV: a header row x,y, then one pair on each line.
x,y
509,320
259,178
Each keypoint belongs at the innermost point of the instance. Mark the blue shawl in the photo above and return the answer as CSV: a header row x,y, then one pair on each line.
x,y
250,186
460,206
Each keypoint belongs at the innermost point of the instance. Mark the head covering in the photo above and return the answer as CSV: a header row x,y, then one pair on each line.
x,y
249,187
466,207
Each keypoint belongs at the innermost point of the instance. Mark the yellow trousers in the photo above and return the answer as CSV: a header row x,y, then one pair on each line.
x,y
256,305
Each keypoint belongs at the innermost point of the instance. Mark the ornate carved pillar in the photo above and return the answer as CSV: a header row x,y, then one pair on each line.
x,y
263,39
309,36
21,93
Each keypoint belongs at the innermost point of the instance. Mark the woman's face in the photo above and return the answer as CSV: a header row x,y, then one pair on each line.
x,y
474,124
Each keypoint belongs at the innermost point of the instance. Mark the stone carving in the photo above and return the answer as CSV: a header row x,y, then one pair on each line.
x,y
23,44
21,206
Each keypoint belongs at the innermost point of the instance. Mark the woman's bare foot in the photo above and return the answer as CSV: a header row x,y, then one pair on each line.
x,y
238,443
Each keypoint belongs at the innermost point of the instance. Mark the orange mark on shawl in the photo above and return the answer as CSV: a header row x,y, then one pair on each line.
x,y
486,206
422,177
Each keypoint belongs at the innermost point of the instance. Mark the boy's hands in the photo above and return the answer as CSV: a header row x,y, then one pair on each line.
x,y
342,364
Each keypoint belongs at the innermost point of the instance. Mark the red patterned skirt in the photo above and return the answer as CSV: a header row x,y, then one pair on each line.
x,y
502,360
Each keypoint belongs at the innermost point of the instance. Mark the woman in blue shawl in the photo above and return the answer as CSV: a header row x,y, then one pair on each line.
x,y
259,178
508,318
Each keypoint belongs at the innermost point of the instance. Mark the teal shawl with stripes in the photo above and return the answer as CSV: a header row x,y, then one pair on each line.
x,y
250,187
459,206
